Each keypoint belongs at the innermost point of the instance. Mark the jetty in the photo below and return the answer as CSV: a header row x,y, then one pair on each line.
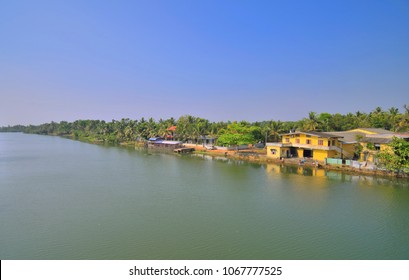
x,y
184,150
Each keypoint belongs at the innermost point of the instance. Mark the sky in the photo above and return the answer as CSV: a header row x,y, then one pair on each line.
x,y
220,60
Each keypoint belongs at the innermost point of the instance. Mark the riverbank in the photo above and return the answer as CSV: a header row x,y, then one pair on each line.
x,y
259,156
253,155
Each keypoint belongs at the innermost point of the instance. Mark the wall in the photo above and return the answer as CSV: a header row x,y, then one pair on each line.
x,y
333,154
320,155
280,152
233,148
371,153
277,153
349,150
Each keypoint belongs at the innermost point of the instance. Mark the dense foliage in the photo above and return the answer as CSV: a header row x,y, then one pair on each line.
x,y
396,157
239,134
190,128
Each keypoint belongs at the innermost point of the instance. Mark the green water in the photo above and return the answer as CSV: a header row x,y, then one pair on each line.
x,y
64,199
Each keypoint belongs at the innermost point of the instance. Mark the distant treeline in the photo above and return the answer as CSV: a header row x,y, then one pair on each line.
x,y
15,128
190,128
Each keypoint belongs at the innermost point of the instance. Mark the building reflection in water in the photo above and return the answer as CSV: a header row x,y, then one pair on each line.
x,y
274,170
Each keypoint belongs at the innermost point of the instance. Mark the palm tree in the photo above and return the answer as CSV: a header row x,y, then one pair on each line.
x,y
271,130
393,111
182,128
162,128
402,123
406,108
393,118
151,130
361,119
276,129
129,131
311,123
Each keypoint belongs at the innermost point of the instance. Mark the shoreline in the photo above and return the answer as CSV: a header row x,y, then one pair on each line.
x,y
259,156
251,155
256,155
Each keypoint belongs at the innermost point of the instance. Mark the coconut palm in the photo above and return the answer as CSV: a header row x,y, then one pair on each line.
x,y
311,123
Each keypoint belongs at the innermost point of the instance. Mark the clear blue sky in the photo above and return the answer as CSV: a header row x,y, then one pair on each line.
x,y
220,60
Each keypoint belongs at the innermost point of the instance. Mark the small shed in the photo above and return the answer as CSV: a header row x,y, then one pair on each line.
x,y
165,144
207,140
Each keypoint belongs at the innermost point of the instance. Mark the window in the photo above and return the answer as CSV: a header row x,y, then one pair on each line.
x,y
321,142
273,151
308,136
333,142
308,142
297,135
297,140
287,140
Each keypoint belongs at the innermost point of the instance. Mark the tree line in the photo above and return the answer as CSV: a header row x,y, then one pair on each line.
x,y
190,128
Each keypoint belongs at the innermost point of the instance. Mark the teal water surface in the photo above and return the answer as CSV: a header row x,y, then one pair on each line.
x,y
64,199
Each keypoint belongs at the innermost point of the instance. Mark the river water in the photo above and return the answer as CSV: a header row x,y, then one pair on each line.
x,y
65,199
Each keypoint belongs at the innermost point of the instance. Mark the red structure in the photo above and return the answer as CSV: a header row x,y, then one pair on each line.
x,y
171,130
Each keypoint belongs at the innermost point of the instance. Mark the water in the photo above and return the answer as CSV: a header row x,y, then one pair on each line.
x,y
64,199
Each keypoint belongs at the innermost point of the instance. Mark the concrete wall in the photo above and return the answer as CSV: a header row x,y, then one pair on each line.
x,y
320,155
349,150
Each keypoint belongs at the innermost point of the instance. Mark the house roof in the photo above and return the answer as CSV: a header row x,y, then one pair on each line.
x,y
167,142
402,135
349,136
155,139
377,140
372,130
172,128
385,138
315,133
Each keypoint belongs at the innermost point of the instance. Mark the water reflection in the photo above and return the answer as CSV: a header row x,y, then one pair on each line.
x,y
64,199
321,176
274,170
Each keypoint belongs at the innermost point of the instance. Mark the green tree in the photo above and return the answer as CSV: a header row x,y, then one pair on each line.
x,y
238,134
271,130
361,119
324,119
379,119
396,158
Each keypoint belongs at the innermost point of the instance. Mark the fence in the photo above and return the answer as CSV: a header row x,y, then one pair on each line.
x,y
233,148
351,163
338,161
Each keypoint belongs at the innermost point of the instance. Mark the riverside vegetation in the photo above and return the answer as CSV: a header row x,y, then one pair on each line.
x,y
190,128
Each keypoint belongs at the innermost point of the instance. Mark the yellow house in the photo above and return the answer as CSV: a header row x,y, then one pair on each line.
x,y
371,140
339,144
315,145
372,144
